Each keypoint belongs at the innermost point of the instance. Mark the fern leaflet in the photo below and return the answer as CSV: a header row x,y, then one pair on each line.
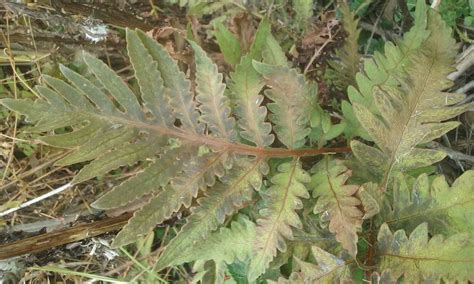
x,y
282,199
419,258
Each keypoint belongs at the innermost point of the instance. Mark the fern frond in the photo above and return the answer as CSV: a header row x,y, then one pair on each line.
x,y
412,114
329,269
152,88
245,90
337,201
419,258
214,106
348,62
196,174
222,199
293,99
282,199
384,71
178,87
151,179
226,245
446,209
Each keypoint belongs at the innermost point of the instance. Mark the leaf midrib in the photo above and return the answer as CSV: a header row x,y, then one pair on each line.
x,y
406,123
221,143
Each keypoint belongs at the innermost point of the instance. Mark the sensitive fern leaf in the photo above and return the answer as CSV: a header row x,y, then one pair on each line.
x,y
419,258
337,202
282,199
183,141
412,113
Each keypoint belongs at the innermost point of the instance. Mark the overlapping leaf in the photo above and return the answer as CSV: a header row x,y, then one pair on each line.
x,y
421,259
281,202
329,269
337,202
347,65
384,71
293,99
411,111
446,209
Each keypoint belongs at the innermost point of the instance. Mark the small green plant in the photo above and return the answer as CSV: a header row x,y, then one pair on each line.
x,y
257,210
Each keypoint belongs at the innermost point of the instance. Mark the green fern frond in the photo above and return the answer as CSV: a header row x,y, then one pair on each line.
x,y
419,258
245,88
148,181
348,62
446,209
281,200
214,106
412,113
223,199
225,245
196,174
293,99
329,269
337,202
384,70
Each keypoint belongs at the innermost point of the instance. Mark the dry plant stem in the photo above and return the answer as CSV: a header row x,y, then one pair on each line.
x,y
465,89
49,240
464,62
366,51
51,160
36,200
435,4
12,64
455,155
317,53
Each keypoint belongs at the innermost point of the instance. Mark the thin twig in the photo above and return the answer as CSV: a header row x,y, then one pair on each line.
x,y
12,63
453,154
318,52
37,199
463,63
